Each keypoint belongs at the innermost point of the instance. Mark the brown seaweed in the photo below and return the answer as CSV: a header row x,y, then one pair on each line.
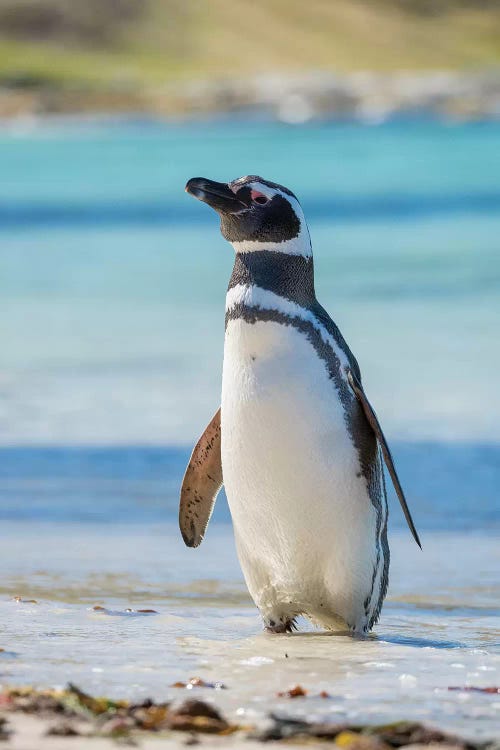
x,y
471,689
111,717
195,682
4,729
354,737
295,692
79,713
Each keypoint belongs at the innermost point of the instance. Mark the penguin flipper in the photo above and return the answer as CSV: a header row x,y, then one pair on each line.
x,y
375,425
201,484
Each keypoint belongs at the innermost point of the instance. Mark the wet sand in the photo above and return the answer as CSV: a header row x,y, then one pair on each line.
x,y
439,629
72,718
30,733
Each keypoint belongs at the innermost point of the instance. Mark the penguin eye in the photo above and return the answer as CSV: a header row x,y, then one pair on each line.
x,y
259,198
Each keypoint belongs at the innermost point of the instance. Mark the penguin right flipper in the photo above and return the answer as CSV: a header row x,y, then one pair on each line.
x,y
375,425
201,484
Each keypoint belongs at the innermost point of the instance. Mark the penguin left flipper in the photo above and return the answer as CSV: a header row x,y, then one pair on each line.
x,y
375,425
201,484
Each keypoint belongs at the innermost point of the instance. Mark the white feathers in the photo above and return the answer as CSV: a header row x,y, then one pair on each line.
x,y
255,296
304,523
297,246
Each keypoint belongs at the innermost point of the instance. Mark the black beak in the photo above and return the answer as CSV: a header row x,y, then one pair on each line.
x,y
218,195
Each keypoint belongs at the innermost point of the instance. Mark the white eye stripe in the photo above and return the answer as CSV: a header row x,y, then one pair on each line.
x,y
264,189
299,245
271,192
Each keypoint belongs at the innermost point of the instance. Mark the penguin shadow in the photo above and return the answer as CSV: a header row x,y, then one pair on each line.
x,y
398,640
408,640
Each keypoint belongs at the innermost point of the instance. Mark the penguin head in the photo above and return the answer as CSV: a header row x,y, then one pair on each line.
x,y
256,214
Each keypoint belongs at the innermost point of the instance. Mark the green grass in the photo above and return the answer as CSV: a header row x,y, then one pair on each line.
x,y
180,39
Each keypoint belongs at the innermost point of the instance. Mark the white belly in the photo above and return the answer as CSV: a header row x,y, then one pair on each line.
x,y
304,523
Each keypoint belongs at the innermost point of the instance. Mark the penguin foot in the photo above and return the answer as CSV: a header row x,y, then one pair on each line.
x,y
281,625
360,632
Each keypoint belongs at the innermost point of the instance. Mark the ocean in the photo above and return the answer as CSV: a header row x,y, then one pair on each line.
x,y
112,284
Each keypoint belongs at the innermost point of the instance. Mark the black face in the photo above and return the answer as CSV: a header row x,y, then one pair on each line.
x,y
246,212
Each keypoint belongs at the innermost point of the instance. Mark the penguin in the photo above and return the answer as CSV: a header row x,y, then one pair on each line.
x,y
295,442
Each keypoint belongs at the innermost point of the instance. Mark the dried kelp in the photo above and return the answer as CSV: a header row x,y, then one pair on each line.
x,y
359,737
113,717
199,682
472,689
78,713
4,729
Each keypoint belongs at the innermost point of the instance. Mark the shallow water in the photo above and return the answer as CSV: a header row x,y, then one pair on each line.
x,y
111,301
430,638
86,527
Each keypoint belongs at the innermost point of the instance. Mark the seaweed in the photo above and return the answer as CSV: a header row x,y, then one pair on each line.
x,y
79,713
128,611
299,692
472,689
112,717
295,692
359,737
195,682
4,729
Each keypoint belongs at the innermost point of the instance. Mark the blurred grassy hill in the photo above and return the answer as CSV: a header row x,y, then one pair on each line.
x,y
140,44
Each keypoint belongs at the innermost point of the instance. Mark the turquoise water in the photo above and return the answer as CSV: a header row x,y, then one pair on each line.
x,y
112,279
112,285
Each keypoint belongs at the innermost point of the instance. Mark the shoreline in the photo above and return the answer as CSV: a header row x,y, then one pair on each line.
x,y
32,717
367,97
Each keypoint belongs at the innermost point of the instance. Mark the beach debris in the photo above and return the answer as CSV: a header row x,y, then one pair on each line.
x,y
30,701
73,696
4,729
399,734
198,716
195,682
70,703
124,612
295,692
358,741
20,600
472,689
119,726
299,692
285,728
109,717
63,729
150,716
402,733
76,713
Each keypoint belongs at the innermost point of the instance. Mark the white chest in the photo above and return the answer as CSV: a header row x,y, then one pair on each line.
x,y
290,468
305,525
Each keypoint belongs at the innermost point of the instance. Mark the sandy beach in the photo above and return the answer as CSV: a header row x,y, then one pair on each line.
x,y
424,645
29,733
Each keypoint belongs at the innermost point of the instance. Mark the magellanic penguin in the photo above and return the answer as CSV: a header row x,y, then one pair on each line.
x,y
296,442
